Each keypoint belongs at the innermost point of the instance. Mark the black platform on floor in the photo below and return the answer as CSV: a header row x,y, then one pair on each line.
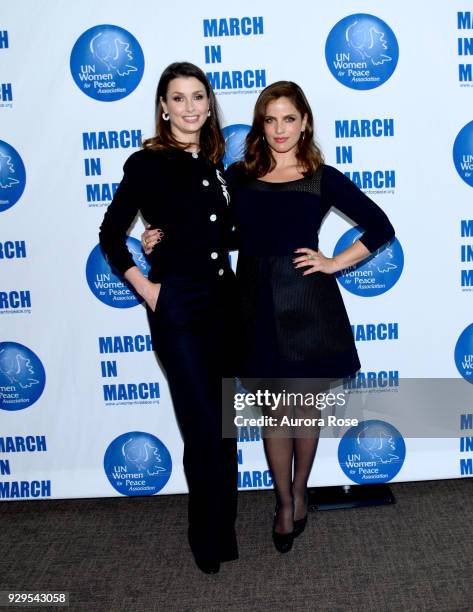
x,y
350,496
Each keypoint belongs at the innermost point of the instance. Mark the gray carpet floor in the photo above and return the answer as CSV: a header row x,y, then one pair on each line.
x,y
131,555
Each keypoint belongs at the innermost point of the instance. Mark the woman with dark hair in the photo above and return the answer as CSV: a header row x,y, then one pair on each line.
x,y
296,334
176,182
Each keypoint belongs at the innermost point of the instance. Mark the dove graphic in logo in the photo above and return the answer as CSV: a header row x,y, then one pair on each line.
x,y
371,452
107,63
18,369
377,443
12,176
137,463
134,246
143,455
375,275
361,51
383,264
7,172
235,136
113,52
368,42
107,285
22,376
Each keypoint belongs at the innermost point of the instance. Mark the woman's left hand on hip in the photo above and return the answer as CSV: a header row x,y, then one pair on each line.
x,y
314,261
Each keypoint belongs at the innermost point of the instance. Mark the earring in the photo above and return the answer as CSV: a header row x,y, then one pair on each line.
x,y
165,116
208,114
303,135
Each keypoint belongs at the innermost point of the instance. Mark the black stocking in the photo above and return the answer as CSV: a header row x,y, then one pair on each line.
x,y
279,456
305,445
304,453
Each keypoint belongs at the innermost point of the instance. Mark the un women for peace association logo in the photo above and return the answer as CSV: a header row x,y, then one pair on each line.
x,y
137,463
12,176
464,354
106,285
372,452
361,51
463,153
107,63
375,275
22,376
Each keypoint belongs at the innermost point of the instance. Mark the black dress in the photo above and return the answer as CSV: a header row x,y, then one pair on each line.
x,y
294,325
186,196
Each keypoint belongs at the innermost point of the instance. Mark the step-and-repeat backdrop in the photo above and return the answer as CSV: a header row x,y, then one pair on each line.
x,y
84,408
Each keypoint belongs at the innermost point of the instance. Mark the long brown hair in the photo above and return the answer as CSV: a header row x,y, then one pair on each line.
x,y
212,143
258,160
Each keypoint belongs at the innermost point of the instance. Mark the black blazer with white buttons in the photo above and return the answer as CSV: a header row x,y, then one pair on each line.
x,y
185,196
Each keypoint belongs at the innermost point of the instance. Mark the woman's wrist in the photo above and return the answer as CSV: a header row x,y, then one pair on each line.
x,y
139,282
147,289
337,265
351,256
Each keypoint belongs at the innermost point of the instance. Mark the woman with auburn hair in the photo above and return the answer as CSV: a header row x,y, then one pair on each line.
x,y
296,334
176,181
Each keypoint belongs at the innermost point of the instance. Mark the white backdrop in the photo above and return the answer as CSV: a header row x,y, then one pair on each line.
x,y
54,440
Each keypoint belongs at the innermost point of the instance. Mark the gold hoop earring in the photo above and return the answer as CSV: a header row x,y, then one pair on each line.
x,y
165,116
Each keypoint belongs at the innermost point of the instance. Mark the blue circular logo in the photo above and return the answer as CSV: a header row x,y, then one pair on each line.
x,y
376,274
109,288
107,63
464,353
371,452
463,153
12,176
361,51
22,376
234,142
137,463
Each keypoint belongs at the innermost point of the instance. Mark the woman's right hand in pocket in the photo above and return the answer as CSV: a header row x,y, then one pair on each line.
x,y
151,294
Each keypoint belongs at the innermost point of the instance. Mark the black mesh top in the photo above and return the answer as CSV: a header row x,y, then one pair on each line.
x,y
273,222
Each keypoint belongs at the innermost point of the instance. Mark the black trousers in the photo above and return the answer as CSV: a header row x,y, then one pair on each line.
x,y
192,331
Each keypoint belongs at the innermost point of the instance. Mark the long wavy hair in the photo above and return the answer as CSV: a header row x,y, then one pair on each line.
x,y
258,159
212,143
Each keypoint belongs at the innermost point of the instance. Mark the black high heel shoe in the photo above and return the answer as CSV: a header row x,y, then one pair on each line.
x,y
300,524
282,541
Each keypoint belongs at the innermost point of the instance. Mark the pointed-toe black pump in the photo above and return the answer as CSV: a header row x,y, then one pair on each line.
x,y
282,541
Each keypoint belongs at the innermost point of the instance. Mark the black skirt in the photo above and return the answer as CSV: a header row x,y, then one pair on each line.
x,y
292,325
